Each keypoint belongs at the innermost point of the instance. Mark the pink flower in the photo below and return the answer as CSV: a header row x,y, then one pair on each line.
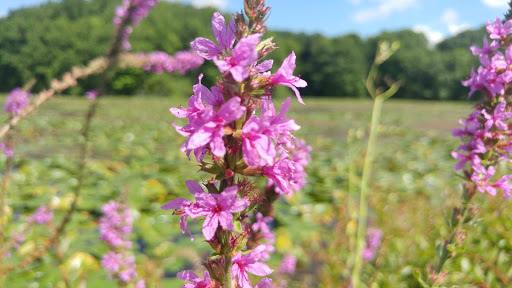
x,y
288,265
112,261
242,57
249,263
485,51
42,215
284,76
196,281
497,30
182,61
496,118
225,36
261,223
258,148
218,209
115,225
373,242
140,284
8,152
16,101
212,131
189,208
279,174
481,181
91,95
264,283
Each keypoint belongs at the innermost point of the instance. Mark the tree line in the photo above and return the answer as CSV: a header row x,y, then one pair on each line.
x,y
42,42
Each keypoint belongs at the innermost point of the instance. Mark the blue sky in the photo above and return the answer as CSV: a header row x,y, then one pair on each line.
x,y
438,19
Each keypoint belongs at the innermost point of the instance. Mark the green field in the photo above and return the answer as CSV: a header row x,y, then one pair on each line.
x,y
135,150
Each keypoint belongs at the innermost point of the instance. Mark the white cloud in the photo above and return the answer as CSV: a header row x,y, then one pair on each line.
x,y
433,36
219,4
457,28
382,10
495,3
449,16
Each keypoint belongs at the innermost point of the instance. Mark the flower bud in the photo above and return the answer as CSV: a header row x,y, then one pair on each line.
x,y
216,267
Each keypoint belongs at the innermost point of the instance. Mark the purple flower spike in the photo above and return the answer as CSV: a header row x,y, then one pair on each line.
x,y
16,101
373,241
284,76
43,215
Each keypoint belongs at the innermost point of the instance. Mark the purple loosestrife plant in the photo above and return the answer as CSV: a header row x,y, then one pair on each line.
x,y
236,134
485,136
115,227
131,12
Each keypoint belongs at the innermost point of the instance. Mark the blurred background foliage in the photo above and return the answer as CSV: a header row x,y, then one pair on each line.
x,y
135,151
46,40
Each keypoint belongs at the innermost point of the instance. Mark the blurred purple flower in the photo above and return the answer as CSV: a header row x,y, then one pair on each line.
x,y
288,265
16,101
42,215
373,241
8,152
116,224
91,95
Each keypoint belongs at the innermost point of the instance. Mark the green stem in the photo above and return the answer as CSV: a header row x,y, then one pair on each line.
x,y
228,281
363,202
459,217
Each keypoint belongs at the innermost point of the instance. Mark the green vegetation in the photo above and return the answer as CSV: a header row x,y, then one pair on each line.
x,y
134,151
45,41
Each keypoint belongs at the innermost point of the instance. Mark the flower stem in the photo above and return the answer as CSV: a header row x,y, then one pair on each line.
x,y
227,280
363,202
459,217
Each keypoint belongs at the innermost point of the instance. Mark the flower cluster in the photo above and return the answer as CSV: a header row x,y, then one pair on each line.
x,y
43,215
182,61
8,152
373,241
486,134
16,101
115,226
131,13
236,133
